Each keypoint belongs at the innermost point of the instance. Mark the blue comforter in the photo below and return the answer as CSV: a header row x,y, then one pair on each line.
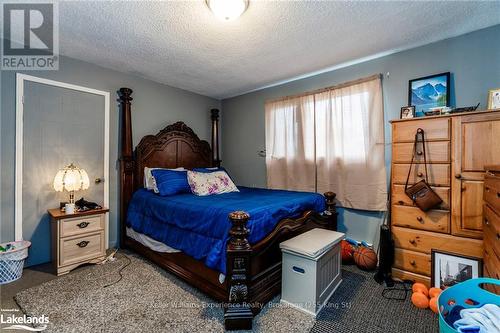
x,y
199,225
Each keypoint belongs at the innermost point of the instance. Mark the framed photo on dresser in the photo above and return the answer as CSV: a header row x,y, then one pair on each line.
x,y
448,268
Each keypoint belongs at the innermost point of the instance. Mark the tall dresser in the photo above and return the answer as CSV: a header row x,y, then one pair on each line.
x,y
458,147
491,224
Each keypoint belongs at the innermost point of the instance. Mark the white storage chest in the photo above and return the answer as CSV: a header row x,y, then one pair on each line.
x,y
311,269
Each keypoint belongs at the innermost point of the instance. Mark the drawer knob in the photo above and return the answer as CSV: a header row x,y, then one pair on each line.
x,y
486,222
420,219
412,241
420,174
82,225
419,152
458,176
83,243
498,236
498,194
413,263
486,188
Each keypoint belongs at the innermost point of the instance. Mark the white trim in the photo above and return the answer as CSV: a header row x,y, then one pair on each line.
x,y
20,78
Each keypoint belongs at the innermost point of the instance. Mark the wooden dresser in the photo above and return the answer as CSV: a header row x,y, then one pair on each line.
x,y
77,239
458,147
491,223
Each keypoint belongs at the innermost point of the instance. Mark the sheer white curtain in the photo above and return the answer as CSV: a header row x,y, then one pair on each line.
x,y
332,140
290,157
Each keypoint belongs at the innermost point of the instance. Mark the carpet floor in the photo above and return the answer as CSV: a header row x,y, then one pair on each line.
x,y
148,299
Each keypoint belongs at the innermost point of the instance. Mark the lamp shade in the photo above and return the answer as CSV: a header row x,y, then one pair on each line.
x,y
71,178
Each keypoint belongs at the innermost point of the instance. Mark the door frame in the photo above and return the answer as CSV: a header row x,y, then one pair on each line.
x,y
20,79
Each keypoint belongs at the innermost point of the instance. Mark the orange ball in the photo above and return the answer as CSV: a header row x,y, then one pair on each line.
x,y
420,300
420,288
433,304
434,292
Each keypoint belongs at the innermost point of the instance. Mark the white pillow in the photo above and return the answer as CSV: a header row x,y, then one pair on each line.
x,y
149,180
217,182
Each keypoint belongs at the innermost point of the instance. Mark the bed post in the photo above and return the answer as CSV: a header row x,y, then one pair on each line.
x,y
331,210
214,115
238,314
127,163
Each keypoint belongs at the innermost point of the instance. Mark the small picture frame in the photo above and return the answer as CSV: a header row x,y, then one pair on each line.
x,y
449,268
407,112
494,99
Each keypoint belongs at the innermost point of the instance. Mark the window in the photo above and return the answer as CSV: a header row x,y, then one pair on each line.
x,y
330,140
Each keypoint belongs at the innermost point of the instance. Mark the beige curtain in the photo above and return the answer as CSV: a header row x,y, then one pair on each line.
x,y
290,158
342,150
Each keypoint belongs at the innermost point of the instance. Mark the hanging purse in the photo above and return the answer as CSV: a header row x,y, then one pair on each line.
x,y
422,195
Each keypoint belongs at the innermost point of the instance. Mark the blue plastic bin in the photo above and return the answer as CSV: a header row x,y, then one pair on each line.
x,y
459,294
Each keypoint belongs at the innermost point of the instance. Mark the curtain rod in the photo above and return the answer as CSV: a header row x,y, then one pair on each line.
x,y
337,86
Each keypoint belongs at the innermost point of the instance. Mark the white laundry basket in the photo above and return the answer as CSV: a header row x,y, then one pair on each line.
x,y
12,262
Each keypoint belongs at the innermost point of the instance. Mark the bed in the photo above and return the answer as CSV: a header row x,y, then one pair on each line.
x,y
237,240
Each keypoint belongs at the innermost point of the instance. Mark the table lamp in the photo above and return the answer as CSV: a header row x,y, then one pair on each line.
x,y
71,178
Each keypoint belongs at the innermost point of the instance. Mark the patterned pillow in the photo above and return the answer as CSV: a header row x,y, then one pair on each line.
x,y
171,182
217,182
149,180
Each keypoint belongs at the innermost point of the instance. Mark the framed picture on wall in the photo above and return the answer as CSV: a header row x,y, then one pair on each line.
x,y
429,92
494,99
407,112
449,269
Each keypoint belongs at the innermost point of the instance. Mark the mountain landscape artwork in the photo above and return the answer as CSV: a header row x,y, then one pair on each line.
x,y
429,92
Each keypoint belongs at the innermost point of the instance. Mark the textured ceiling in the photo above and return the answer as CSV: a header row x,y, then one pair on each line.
x,y
184,45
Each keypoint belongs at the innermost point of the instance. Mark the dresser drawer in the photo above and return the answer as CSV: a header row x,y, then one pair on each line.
x,y
491,229
413,217
80,225
436,152
439,174
412,261
406,275
492,262
492,191
76,249
399,196
435,129
424,241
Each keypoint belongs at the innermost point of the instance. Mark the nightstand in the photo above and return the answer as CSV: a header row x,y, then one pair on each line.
x,y
77,238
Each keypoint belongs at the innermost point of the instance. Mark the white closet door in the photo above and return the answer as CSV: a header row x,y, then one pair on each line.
x,y
60,126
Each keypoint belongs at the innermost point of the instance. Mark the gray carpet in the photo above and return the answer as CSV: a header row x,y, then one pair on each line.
x,y
358,306
148,299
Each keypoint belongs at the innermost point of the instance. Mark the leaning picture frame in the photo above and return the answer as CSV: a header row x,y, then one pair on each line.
x,y
494,99
448,269
429,92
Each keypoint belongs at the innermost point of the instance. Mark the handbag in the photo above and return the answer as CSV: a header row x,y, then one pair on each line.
x,y
422,195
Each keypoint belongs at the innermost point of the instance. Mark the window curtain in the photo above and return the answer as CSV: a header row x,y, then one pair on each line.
x,y
330,140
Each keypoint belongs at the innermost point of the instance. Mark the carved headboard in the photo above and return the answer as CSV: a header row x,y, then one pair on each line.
x,y
174,146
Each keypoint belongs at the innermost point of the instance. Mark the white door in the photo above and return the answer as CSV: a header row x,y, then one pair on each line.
x,y
60,126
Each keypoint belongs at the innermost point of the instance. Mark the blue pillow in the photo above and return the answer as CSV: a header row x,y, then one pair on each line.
x,y
171,182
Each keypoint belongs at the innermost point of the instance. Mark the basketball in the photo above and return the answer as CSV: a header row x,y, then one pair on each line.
x,y
347,251
365,258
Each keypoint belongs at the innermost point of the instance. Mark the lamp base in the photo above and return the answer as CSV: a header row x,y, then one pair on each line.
x,y
70,208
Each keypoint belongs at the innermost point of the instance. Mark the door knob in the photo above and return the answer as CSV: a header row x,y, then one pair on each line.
x,y
458,176
98,180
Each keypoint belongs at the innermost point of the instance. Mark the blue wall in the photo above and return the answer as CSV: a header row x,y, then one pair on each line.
x,y
154,106
473,60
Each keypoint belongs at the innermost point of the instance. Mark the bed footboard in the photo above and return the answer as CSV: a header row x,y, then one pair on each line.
x,y
238,313
239,309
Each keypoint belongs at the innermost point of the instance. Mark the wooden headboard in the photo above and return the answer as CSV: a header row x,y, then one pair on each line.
x,y
174,146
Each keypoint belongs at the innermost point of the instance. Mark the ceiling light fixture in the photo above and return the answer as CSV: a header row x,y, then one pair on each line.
x,y
227,10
